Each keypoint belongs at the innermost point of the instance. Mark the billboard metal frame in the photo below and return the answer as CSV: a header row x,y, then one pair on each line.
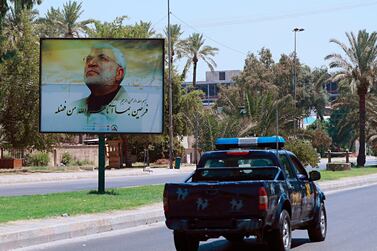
x,y
162,41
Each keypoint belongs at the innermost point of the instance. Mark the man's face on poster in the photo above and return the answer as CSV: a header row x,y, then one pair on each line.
x,y
101,70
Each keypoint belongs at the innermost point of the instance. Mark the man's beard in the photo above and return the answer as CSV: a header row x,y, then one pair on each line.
x,y
101,79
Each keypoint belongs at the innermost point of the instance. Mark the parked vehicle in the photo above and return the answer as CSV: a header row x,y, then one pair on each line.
x,y
243,189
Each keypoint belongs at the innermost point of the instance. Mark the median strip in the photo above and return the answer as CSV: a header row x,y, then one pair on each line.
x,y
75,203
354,172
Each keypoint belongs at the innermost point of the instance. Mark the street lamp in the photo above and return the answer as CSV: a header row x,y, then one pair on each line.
x,y
295,30
294,78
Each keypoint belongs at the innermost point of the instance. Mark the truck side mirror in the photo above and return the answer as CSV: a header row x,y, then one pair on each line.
x,y
315,175
302,177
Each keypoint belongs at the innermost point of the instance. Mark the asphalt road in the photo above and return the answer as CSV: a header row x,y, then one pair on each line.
x,y
87,184
352,226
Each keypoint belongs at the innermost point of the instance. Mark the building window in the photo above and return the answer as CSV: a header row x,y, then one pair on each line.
x,y
221,75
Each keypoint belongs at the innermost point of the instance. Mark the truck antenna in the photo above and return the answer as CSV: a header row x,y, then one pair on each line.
x,y
277,132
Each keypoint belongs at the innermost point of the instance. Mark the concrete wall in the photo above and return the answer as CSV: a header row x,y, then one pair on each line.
x,y
80,152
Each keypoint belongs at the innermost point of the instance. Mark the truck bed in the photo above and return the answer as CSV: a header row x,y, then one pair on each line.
x,y
215,200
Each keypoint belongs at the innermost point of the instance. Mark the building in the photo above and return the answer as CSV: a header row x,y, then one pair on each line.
x,y
211,86
333,90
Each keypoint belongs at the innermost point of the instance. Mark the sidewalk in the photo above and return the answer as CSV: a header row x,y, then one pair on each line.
x,y
9,178
32,232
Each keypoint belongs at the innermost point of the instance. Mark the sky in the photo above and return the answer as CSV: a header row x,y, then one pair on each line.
x,y
240,27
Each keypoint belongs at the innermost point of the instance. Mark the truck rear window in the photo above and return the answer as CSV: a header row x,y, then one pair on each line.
x,y
237,161
235,174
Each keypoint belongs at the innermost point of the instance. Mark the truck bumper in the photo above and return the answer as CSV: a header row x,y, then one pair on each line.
x,y
216,227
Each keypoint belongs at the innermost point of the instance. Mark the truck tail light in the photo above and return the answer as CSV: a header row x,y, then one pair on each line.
x,y
165,201
237,153
263,199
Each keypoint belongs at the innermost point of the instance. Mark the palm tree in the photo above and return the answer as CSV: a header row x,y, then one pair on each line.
x,y
10,20
71,13
47,26
140,30
176,42
66,20
18,6
194,49
358,70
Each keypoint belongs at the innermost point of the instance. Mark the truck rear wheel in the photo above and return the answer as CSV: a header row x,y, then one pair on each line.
x,y
185,242
280,239
317,230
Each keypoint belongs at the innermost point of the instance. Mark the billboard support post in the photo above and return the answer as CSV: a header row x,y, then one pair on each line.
x,y
170,95
101,164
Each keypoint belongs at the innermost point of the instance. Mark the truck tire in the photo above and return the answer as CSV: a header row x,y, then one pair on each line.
x,y
280,239
318,229
184,242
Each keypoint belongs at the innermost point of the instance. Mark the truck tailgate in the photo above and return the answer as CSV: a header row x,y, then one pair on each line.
x,y
212,200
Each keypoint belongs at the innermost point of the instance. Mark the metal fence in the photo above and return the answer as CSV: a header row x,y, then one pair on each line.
x,y
14,153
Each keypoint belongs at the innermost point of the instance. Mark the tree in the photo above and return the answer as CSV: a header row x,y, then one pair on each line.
x,y
176,42
358,70
19,114
18,6
117,29
140,30
258,91
195,50
343,124
320,140
47,26
317,95
65,21
192,109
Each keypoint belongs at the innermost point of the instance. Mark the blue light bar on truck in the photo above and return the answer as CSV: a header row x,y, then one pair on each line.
x,y
250,142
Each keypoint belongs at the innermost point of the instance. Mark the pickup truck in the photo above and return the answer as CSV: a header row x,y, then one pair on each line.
x,y
244,189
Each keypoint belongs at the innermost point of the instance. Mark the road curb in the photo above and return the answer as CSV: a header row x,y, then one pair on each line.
x,y
36,232
41,231
348,182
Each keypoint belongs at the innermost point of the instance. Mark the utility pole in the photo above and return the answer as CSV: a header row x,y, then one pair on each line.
x,y
170,95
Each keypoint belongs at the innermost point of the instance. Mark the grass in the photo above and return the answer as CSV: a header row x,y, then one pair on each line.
x,y
73,203
52,169
331,175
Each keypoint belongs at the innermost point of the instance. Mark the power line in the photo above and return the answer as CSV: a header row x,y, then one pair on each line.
x,y
288,15
154,24
213,40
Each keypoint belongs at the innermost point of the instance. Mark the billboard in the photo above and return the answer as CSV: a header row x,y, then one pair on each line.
x,y
101,85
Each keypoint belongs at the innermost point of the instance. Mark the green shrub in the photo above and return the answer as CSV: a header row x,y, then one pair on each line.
x,y
37,159
320,140
67,159
304,151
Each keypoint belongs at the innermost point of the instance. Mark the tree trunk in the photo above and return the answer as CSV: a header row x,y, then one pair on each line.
x,y
361,156
194,73
124,154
